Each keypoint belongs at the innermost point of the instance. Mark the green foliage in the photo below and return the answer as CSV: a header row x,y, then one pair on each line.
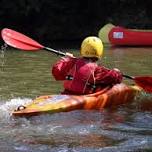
x,y
56,20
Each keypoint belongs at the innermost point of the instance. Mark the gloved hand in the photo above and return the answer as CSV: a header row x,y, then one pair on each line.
x,y
69,54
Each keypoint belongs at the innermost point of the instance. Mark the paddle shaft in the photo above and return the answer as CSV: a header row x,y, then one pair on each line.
x,y
54,51
127,76
64,54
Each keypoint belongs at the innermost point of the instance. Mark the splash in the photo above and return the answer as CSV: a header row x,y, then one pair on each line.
x,y
7,107
2,56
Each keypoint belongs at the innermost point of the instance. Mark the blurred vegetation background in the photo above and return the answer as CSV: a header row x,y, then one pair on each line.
x,y
69,21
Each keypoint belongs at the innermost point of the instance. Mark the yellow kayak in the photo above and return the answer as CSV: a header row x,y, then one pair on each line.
x,y
117,95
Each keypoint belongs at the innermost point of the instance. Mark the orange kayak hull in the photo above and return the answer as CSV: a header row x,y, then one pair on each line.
x,y
117,95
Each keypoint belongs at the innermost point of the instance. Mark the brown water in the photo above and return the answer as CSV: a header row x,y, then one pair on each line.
x,y
25,75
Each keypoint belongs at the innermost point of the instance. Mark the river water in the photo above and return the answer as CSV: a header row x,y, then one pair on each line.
x,y
25,75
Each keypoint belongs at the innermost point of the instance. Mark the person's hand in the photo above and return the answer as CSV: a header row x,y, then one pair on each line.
x,y
69,54
116,69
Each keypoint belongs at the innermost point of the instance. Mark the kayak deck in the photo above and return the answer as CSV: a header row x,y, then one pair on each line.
x,y
118,94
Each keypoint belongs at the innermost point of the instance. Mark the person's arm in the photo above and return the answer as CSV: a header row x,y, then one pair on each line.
x,y
62,67
106,76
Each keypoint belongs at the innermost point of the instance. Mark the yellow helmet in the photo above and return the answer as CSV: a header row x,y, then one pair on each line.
x,y
91,47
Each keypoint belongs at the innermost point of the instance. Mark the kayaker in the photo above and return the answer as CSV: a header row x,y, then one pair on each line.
x,y
83,75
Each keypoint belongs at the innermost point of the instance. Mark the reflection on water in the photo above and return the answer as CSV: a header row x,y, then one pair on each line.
x,y
133,61
25,75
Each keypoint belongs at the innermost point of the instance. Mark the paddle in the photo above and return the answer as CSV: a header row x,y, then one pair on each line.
x,y
20,41
144,82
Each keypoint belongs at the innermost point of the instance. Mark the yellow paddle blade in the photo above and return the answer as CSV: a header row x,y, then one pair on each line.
x,y
104,31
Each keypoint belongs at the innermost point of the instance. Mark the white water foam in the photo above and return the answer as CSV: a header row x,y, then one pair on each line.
x,y
7,107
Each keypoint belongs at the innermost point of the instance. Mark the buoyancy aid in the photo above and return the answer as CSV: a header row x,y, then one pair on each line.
x,y
79,75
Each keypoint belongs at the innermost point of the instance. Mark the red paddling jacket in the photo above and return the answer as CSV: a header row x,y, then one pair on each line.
x,y
81,76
